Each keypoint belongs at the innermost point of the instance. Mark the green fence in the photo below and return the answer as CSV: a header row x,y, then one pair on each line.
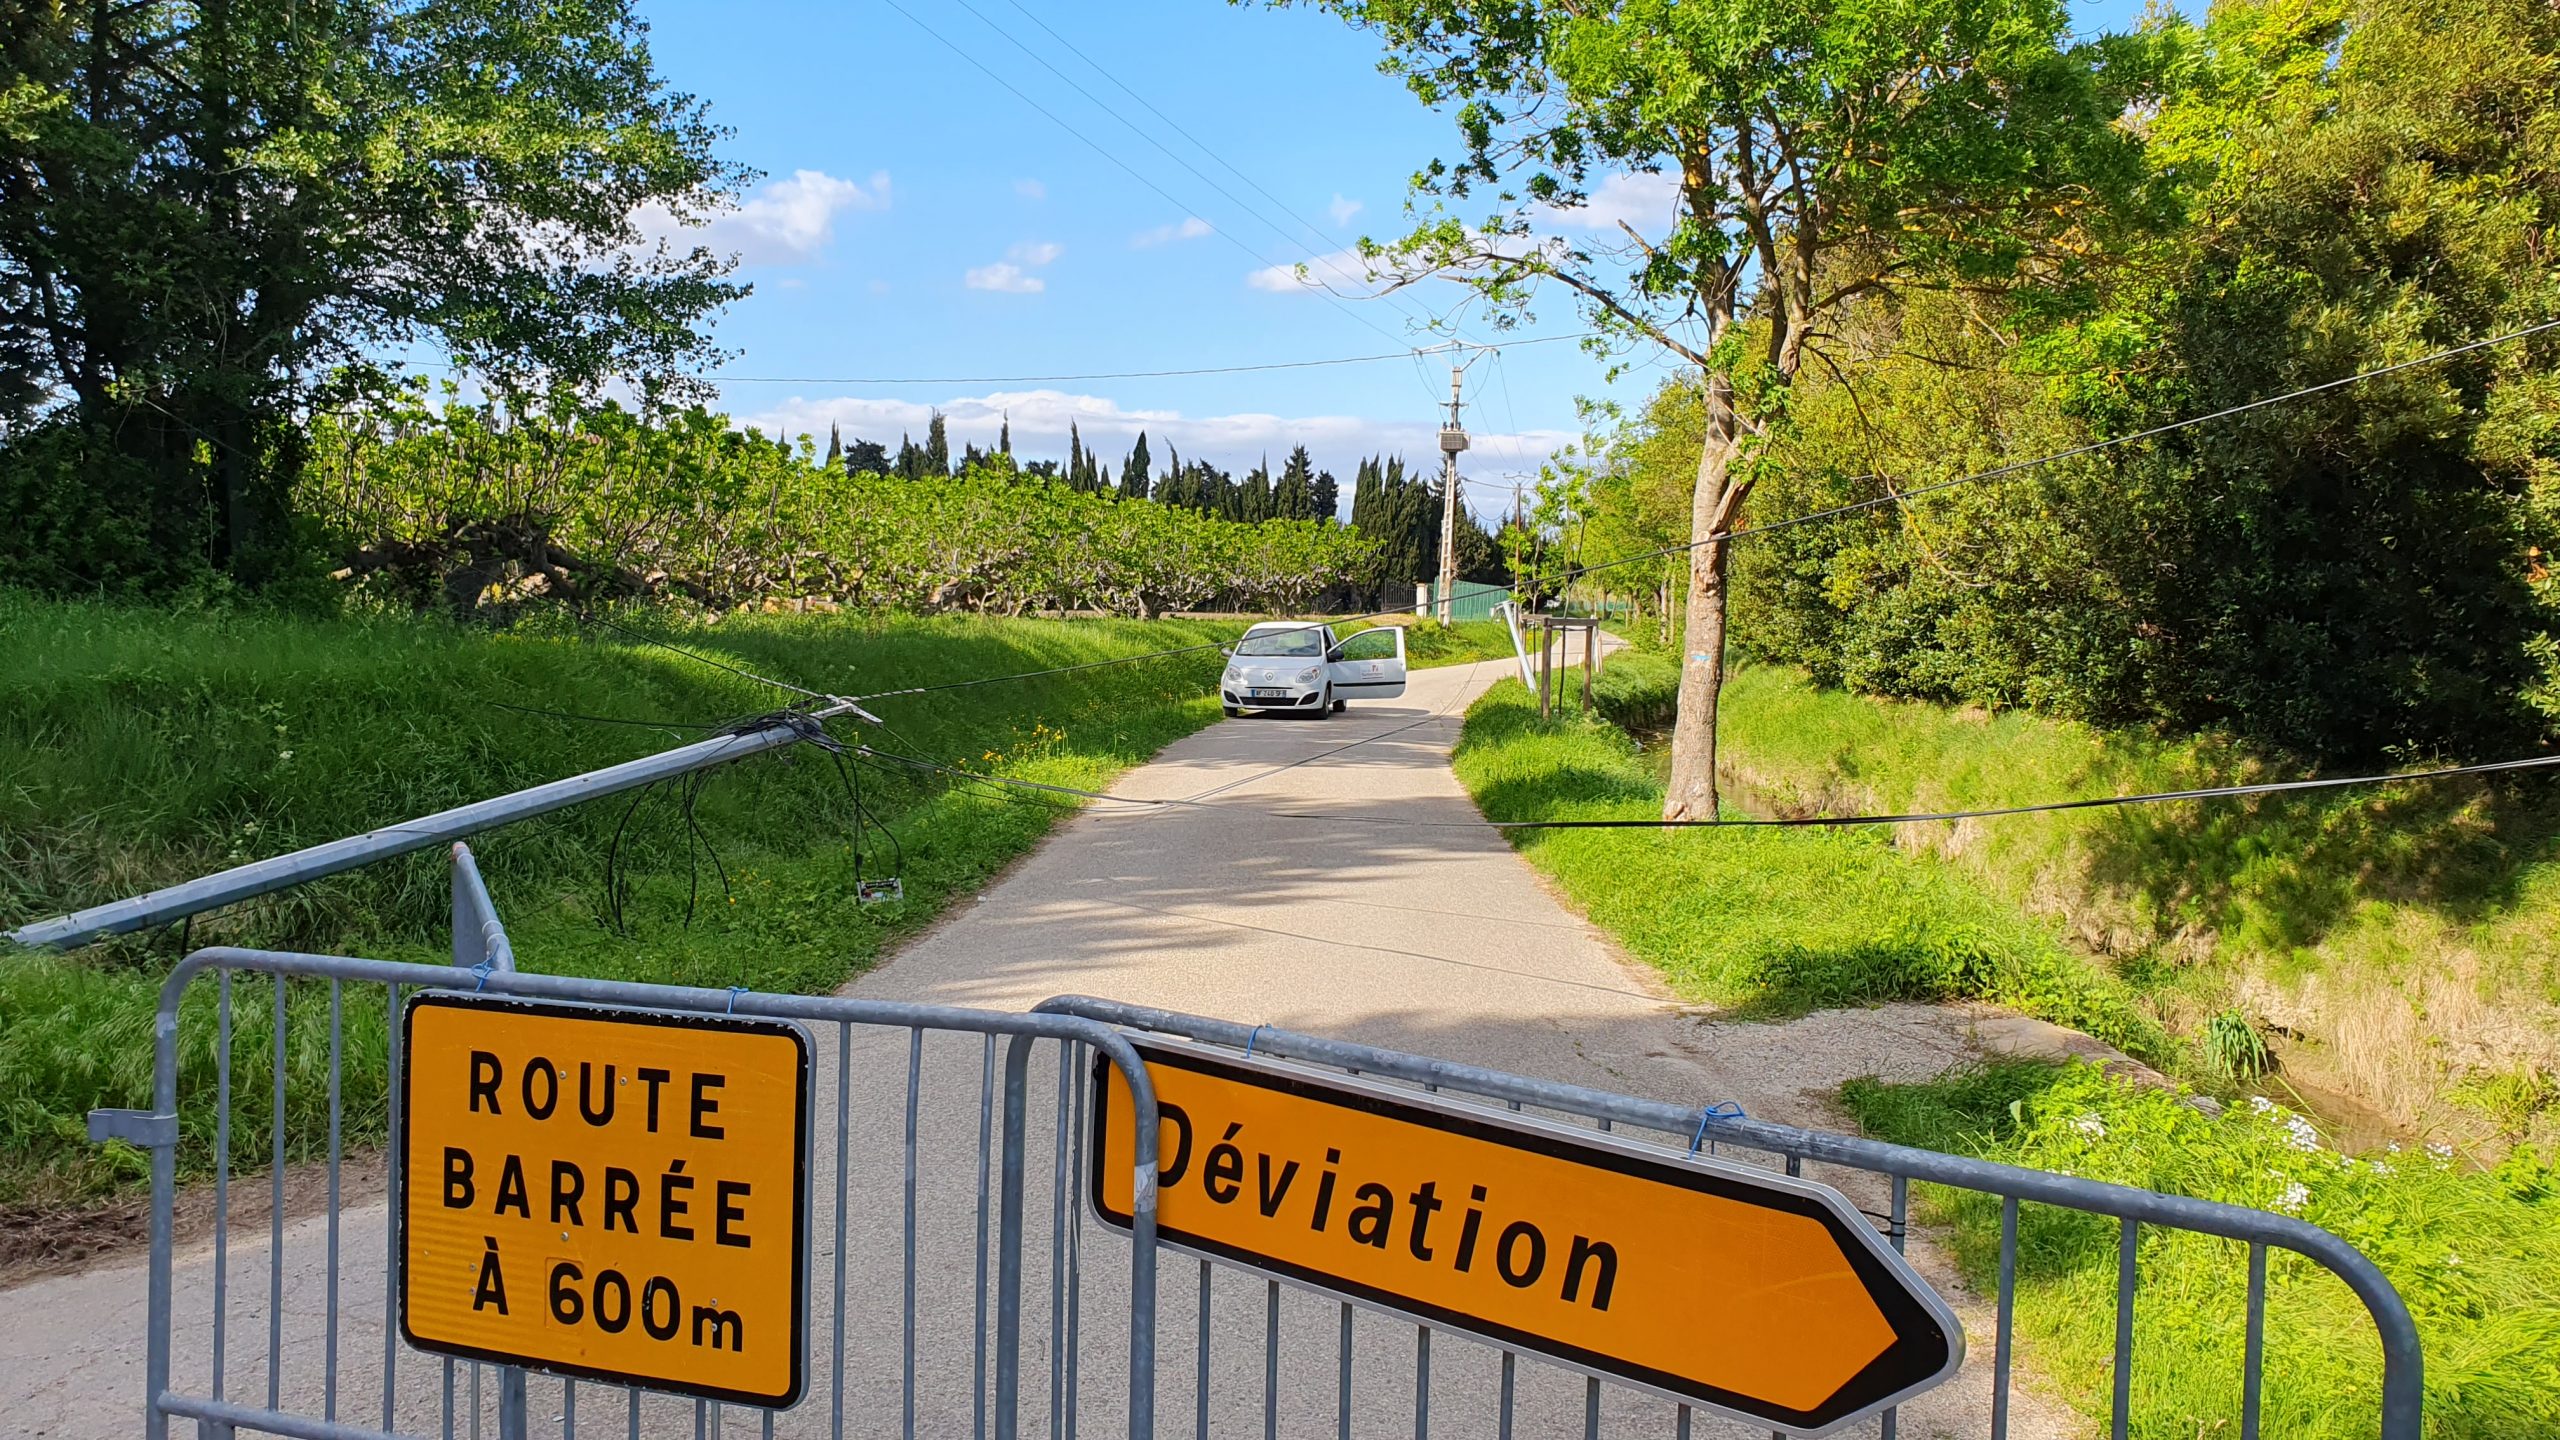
x,y
1468,600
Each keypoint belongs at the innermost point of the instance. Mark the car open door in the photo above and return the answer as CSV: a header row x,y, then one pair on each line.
x,y
1370,665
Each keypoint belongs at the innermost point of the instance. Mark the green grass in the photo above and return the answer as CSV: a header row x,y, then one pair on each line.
x,y
2475,1254
2409,933
137,749
1768,921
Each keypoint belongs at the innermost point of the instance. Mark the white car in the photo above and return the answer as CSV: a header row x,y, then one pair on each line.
x,y
1303,666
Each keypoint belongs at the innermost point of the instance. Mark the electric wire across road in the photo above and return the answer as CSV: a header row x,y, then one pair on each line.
x,y
2216,792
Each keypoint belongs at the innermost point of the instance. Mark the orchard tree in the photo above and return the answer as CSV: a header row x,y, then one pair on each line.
x,y
1813,153
206,208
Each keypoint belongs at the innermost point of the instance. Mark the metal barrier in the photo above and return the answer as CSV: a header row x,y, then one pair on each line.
x,y
1287,1409
919,1249
927,1247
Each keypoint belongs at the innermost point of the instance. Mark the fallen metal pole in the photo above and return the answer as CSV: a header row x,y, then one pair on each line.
x,y
260,877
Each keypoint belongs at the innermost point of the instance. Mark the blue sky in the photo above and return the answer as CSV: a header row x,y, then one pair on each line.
x,y
918,219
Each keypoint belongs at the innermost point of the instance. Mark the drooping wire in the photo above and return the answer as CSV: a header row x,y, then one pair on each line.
x,y
2217,792
783,685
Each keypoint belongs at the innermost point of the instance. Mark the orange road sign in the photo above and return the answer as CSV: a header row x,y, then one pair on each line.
x,y
1733,1289
621,1195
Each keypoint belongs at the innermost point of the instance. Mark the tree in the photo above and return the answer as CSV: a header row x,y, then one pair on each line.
x,y
835,446
866,457
1075,456
1133,473
215,215
937,447
1004,436
1326,498
1293,497
1817,151
911,459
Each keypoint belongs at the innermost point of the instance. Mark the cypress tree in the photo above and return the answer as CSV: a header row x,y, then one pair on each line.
x,y
910,458
1293,496
1133,475
1253,497
835,446
1325,494
1075,456
937,446
1004,436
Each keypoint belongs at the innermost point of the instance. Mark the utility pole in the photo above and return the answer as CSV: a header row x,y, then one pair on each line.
x,y
1453,438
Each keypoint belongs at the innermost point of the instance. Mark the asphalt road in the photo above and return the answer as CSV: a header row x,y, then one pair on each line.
x,y
1437,941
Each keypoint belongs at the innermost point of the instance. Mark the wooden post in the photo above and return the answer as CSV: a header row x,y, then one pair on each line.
x,y
1591,652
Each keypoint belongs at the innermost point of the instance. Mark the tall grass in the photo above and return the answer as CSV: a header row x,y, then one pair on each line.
x,y
137,749
2475,1254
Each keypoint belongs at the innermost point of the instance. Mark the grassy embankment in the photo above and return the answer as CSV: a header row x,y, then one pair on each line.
x,y
1770,921
1774,920
137,749
2398,941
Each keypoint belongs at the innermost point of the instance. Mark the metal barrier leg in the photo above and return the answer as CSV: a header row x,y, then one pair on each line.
x,y
511,1418
1008,1359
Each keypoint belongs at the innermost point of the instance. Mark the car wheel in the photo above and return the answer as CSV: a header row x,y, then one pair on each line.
x,y
1338,704
1232,712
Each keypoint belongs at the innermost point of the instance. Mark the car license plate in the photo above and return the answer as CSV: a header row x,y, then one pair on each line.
x,y
1268,694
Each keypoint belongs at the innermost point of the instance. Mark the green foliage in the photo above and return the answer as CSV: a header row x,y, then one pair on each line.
x,y
1771,921
137,749
2234,1048
2358,575
590,501
2474,1253
207,203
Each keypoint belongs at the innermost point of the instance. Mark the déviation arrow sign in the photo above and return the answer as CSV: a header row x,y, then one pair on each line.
x,y
1733,1289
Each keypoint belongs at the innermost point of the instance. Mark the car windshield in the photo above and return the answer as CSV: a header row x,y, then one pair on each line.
x,y
1306,643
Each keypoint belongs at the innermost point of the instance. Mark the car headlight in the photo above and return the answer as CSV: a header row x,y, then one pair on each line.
x,y
1233,676
1309,674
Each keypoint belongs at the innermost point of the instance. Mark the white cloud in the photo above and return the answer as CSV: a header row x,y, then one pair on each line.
x,y
1030,189
782,222
1005,277
1341,270
1341,209
1648,201
1190,227
1234,442
1012,275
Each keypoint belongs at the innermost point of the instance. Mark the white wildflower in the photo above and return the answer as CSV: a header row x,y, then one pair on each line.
x,y
2393,1147
2261,1105
2091,1126
2442,1153
2299,1134
2295,1196
2379,1167
2452,1261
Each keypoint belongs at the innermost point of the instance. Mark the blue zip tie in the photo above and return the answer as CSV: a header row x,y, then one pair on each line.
x,y
482,970
1721,1110
734,992
1250,1039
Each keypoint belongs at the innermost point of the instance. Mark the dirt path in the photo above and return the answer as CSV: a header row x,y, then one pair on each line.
x,y
1439,941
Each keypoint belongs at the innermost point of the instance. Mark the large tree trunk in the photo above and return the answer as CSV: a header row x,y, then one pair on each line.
x,y
1691,794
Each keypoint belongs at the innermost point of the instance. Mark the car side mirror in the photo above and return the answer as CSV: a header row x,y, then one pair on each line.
x,y
1227,650
1333,654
